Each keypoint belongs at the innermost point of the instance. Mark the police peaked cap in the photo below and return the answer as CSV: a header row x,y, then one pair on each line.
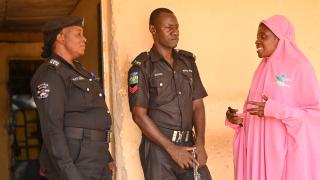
x,y
60,23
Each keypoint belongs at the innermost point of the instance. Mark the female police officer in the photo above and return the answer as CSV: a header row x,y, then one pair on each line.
x,y
74,117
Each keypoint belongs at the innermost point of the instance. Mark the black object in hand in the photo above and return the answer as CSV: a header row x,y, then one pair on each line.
x,y
234,111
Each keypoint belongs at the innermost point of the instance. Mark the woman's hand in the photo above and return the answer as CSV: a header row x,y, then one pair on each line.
x,y
233,117
259,109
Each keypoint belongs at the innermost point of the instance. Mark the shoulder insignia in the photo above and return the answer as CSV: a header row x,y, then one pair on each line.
x,y
140,59
186,53
54,62
133,82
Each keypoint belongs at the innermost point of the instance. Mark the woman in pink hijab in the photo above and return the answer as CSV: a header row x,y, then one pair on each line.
x,y
277,136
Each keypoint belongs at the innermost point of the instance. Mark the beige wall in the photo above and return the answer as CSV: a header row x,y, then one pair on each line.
x,y
10,51
222,35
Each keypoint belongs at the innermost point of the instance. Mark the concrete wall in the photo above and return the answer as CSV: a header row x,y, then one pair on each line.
x,y
222,35
10,51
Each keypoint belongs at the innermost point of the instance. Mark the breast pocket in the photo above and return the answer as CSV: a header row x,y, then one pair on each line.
x,y
156,85
79,93
97,97
161,90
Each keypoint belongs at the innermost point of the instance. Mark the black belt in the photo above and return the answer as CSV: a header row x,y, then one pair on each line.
x,y
82,133
177,136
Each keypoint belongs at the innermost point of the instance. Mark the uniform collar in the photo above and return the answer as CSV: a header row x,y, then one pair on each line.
x,y
156,56
77,66
60,59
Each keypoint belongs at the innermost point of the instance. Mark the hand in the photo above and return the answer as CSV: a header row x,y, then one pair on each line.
x,y
112,167
201,155
259,109
233,117
182,156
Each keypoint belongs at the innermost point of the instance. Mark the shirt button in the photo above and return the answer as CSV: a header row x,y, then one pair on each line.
x,y
179,92
88,89
100,94
161,84
90,79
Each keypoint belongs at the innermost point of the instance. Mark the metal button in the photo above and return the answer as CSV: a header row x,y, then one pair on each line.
x,y
88,89
179,92
100,94
90,79
161,84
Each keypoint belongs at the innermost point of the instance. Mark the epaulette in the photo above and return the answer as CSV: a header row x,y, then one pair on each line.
x,y
52,63
141,58
186,53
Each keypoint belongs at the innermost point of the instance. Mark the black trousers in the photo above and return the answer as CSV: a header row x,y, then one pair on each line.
x,y
90,158
158,165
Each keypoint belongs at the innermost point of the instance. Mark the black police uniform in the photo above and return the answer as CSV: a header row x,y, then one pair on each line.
x,y
167,92
74,121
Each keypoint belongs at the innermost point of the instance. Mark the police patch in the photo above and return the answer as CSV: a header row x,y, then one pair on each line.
x,y
133,82
133,78
78,78
133,89
43,91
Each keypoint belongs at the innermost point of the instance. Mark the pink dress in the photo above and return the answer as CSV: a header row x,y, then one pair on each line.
x,y
285,144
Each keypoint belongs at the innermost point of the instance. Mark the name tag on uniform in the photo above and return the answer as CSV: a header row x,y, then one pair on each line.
x,y
78,78
158,74
186,70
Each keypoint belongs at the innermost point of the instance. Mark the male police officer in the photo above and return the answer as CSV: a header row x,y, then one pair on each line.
x,y
74,118
165,97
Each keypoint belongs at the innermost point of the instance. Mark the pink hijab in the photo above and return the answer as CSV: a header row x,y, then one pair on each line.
x,y
283,145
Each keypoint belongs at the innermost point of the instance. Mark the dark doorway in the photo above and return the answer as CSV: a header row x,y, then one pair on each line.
x,y
24,130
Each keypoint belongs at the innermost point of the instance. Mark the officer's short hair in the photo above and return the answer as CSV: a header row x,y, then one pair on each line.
x,y
155,14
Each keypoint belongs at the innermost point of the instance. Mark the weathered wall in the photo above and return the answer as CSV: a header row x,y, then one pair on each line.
x,y
222,35
10,51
